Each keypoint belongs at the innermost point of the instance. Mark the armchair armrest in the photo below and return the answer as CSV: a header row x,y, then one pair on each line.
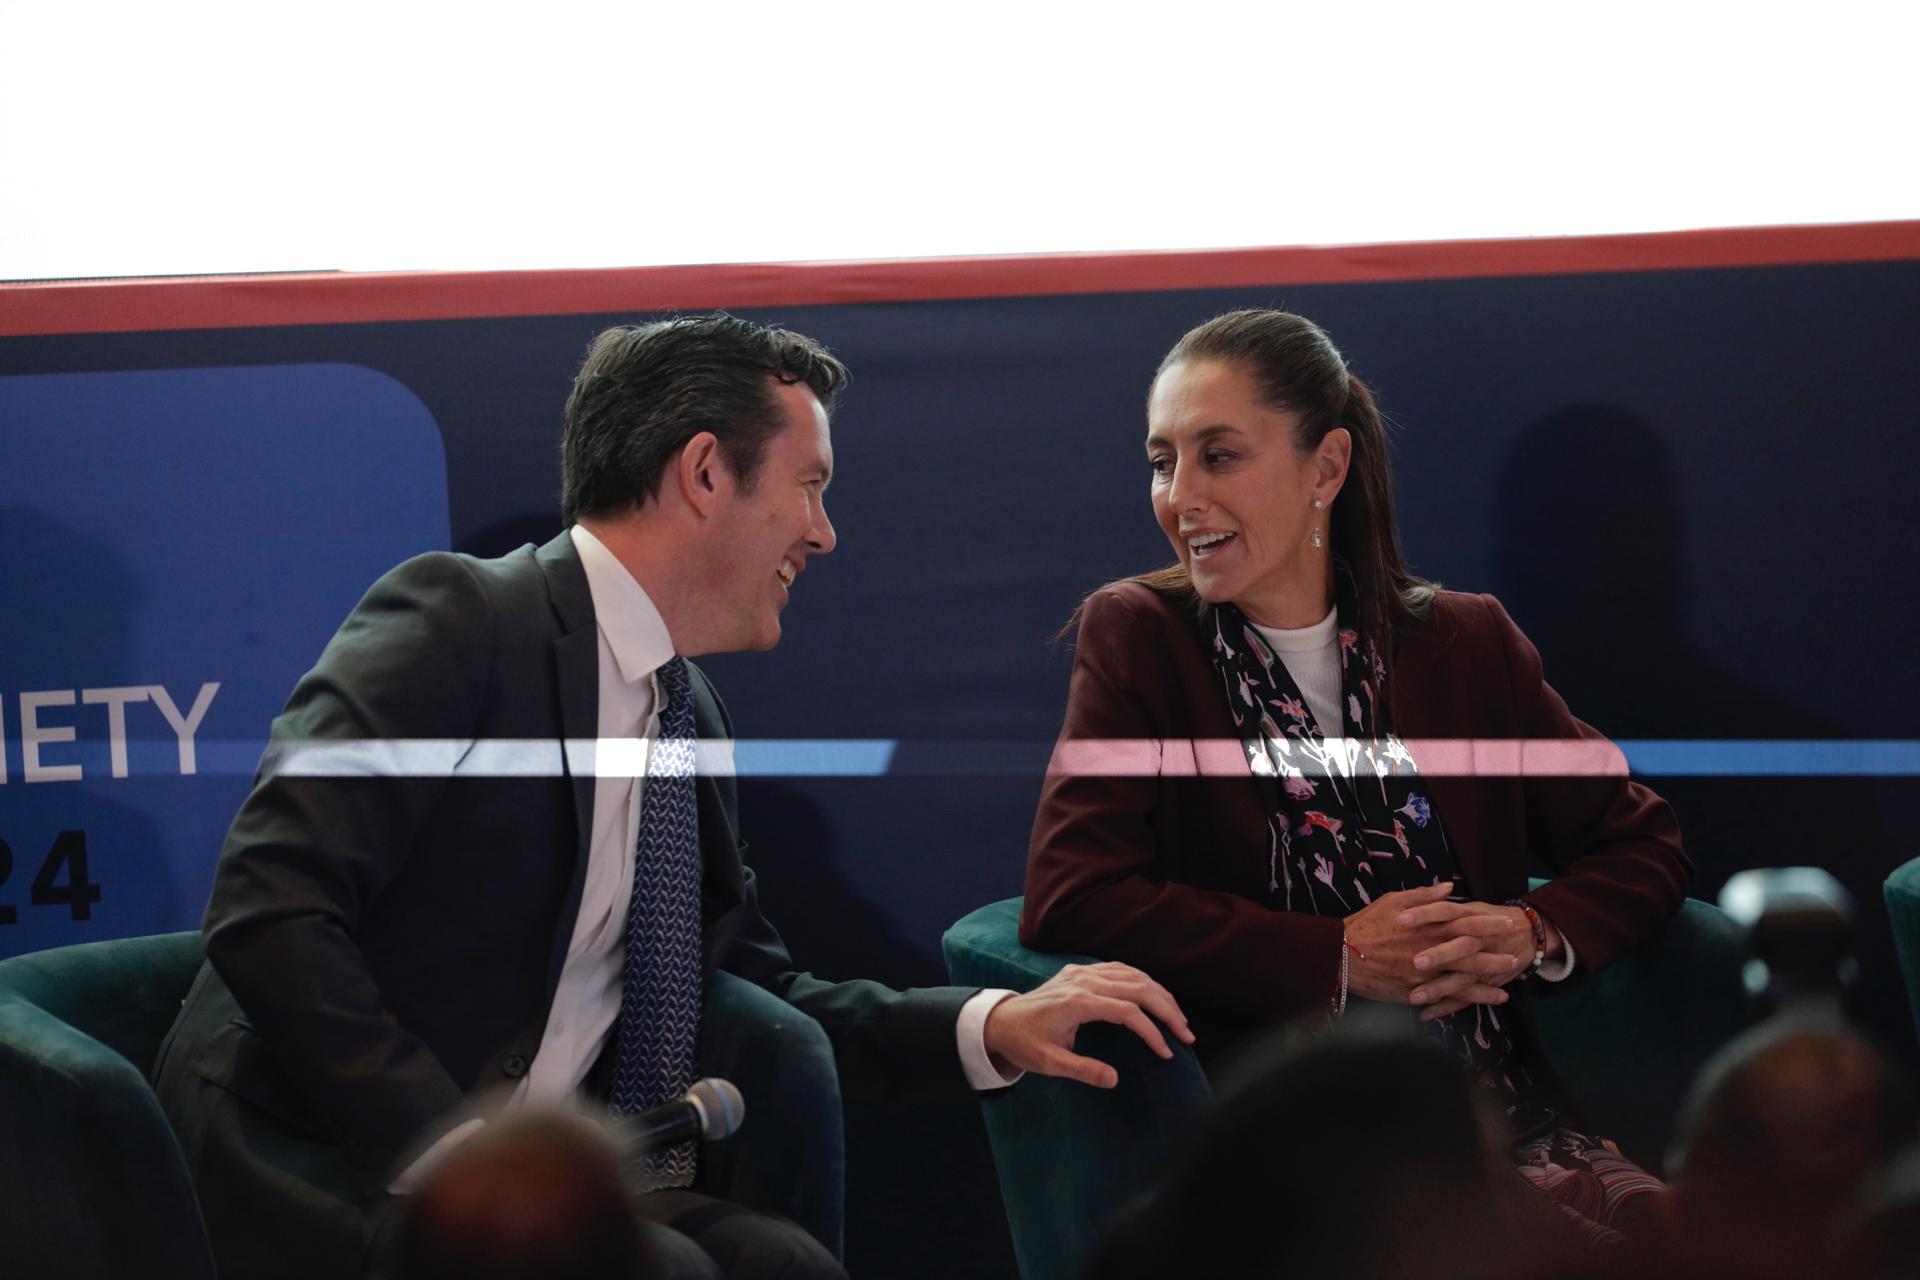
x,y
790,1154
1903,908
1071,1156
93,1183
1630,1039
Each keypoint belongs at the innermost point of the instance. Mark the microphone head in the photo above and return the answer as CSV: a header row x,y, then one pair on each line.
x,y
720,1105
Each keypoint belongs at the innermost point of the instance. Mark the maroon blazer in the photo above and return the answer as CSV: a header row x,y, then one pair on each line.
x,y
1168,871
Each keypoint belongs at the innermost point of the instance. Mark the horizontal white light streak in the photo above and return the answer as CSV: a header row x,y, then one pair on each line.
x,y
1107,757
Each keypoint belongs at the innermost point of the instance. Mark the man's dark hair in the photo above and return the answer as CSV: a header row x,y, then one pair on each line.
x,y
645,390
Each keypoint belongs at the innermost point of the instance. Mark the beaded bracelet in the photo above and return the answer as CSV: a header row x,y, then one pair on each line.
x,y
1339,1002
1539,935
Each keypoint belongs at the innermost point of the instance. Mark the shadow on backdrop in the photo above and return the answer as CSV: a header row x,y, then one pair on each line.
x,y
80,635
1594,559
512,533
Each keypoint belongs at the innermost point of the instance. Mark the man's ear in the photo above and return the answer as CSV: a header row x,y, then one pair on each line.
x,y
702,475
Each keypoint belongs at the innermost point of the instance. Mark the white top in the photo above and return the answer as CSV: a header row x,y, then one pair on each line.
x,y
1311,656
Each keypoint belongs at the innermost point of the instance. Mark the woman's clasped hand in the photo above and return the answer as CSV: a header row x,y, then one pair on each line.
x,y
1416,947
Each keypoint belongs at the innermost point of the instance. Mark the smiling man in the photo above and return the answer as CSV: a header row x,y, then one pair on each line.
x,y
387,939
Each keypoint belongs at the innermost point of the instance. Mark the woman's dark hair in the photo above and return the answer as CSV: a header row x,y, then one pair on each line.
x,y
645,390
1299,371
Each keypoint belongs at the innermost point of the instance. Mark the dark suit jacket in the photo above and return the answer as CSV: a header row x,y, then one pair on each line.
x,y
381,948
1170,873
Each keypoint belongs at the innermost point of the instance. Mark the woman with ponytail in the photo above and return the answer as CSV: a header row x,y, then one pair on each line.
x,y
1294,775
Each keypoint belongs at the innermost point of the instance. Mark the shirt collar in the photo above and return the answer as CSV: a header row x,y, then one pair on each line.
x,y
633,627
1302,639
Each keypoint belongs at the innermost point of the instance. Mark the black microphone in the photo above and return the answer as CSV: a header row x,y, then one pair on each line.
x,y
712,1109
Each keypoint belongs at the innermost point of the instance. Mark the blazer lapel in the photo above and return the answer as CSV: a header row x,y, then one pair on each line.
x,y
1218,739
1458,800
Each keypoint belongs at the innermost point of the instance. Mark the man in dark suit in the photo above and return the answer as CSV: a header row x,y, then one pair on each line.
x,y
479,856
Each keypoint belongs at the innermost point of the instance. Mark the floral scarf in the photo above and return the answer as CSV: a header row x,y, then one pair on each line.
x,y
1341,832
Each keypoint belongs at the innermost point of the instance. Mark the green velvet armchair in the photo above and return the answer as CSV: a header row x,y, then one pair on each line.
x,y
1629,1042
1903,906
92,1182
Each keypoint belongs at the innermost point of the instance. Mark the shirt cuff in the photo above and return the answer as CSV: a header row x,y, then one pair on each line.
x,y
1557,970
970,1032
408,1180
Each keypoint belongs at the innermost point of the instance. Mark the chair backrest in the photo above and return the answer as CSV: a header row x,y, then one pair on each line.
x,y
1070,1157
1903,908
125,993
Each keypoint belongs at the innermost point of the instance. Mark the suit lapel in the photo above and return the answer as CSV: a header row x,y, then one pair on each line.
x,y
576,665
576,661
723,886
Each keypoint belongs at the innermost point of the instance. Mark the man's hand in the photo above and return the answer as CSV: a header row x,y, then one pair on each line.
x,y
1035,1031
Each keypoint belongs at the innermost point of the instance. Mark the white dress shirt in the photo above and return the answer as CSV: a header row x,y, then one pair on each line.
x,y
633,646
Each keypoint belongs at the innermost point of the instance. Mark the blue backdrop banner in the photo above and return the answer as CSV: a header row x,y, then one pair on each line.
x,y
180,543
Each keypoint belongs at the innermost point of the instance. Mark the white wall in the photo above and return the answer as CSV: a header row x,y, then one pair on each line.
x,y
199,136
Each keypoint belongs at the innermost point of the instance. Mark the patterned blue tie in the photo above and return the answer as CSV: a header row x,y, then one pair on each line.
x,y
660,998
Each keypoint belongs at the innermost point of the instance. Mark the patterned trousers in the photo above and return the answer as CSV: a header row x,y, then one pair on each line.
x,y
1587,1179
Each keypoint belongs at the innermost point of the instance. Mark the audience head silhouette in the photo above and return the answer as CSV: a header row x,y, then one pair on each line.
x,y
1783,1130
1361,1153
541,1195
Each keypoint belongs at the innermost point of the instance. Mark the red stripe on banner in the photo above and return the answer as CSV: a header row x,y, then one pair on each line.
x,y
221,302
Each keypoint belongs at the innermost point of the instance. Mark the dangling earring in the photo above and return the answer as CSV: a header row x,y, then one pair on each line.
x,y
1318,541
